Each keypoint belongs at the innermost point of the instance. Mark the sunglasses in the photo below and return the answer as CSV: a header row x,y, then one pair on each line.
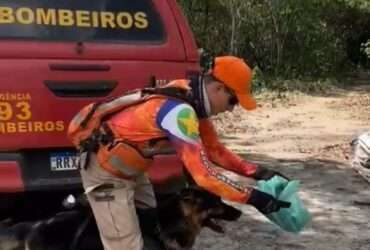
x,y
233,100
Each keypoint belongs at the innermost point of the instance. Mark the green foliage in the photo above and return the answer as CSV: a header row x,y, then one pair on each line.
x,y
285,39
288,38
366,48
304,86
358,4
259,81
206,60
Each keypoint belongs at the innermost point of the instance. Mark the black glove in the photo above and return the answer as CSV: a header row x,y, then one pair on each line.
x,y
263,173
266,203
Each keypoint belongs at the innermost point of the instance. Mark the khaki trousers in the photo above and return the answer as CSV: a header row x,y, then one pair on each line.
x,y
113,202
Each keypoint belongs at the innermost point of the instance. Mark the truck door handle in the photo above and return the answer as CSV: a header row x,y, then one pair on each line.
x,y
79,67
81,88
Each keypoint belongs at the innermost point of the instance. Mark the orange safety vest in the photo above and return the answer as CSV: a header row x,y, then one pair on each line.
x,y
89,131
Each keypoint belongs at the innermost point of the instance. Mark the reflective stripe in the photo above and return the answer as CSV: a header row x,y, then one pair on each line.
x,y
78,118
118,164
126,99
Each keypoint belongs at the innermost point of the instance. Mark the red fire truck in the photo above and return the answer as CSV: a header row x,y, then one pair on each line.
x,y
57,56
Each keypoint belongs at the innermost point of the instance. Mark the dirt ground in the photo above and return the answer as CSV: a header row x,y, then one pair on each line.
x,y
307,138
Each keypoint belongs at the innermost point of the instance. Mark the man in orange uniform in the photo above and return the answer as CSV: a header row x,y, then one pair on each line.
x,y
114,191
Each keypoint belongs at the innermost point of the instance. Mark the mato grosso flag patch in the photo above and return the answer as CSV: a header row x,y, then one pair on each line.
x,y
180,120
188,123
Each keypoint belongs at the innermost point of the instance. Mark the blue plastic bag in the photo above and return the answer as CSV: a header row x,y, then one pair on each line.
x,y
294,218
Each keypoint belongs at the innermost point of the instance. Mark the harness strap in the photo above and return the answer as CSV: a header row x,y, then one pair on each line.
x,y
107,136
178,93
90,114
104,136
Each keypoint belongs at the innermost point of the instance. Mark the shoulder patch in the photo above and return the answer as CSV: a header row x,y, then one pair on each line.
x,y
180,121
188,122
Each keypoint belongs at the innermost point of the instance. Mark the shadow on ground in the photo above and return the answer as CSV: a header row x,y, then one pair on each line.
x,y
337,198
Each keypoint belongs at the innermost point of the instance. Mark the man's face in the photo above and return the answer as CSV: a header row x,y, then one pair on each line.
x,y
220,97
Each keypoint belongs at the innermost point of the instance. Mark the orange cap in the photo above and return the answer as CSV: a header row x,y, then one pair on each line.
x,y
236,75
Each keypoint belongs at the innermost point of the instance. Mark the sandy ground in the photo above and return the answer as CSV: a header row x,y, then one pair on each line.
x,y
306,138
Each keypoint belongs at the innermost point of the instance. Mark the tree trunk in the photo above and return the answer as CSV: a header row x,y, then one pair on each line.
x,y
232,38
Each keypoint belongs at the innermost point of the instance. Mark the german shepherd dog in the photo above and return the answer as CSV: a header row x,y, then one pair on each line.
x,y
181,218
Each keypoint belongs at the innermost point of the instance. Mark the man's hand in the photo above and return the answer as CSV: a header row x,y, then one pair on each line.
x,y
266,203
263,173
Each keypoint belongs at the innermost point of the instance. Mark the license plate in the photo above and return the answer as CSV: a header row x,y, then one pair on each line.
x,y
63,161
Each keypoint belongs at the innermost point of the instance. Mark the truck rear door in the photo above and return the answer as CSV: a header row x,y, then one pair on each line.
x,y
57,56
